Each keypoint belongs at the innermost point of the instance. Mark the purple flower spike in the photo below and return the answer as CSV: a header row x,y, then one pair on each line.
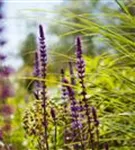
x,y
43,64
76,124
80,62
43,60
43,55
2,57
74,108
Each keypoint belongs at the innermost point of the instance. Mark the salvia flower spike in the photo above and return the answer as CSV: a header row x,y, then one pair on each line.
x,y
80,65
76,124
43,62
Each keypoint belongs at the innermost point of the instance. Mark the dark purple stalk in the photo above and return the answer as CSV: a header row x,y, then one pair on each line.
x,y
81,74
74,110
96,125
43,60
64,98
72,76
53,114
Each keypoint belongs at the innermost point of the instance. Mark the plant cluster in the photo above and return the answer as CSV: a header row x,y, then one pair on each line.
x,y
75,121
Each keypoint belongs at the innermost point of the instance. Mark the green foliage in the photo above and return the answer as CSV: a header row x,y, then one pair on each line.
x,y
110,83
110,78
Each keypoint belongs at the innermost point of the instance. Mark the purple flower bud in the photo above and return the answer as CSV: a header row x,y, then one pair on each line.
x,y
41,32
2,57
79,49
76,125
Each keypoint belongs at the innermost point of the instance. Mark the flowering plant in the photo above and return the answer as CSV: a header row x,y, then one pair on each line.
x,y
76,117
